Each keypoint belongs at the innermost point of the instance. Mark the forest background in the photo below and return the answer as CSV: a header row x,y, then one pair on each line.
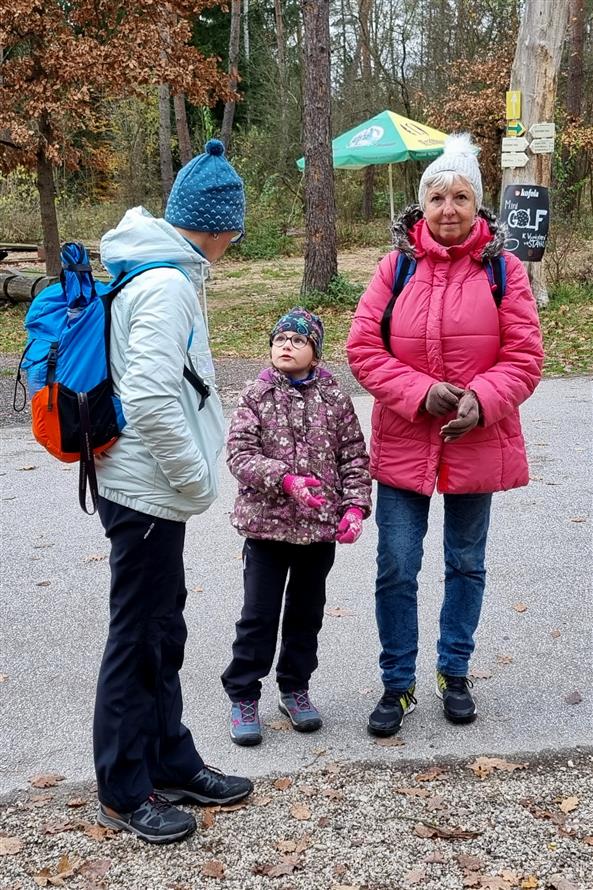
x,y
137,89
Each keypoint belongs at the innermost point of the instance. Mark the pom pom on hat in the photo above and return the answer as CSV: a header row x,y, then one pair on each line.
x,y
208,194
214,147
459,156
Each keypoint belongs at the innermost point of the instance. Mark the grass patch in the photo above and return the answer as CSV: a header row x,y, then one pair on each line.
x,y
241,331
567,326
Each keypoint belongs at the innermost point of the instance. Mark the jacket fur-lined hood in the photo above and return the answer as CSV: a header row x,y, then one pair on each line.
x,y
411,215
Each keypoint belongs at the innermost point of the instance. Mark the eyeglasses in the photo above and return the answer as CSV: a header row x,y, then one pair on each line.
x,y
238,238
297,341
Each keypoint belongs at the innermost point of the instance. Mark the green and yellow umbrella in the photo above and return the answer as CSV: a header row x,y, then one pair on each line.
x,y
387,138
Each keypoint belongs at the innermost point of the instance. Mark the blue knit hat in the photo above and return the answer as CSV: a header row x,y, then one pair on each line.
x,y
207,195
301,321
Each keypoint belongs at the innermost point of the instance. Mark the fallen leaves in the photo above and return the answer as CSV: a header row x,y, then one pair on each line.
x,y
75,802
300,811
96,557
46,780
569,804
285,866
289,846
480,674
412,792
520,607
43,584
4,678
279,725
27,468
573,698
469,863
504,659
65,868
428,830
283,783
390,742
485,766
338,612
435,772
9,846
212,868
555,633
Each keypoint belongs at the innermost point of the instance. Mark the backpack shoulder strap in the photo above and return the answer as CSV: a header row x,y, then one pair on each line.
x,y
123,279
404,269
496,270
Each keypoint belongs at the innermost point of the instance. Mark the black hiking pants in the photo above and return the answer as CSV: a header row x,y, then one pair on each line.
x,y
138,738
266,566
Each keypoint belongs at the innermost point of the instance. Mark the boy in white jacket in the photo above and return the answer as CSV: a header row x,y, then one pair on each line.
x,y
161,471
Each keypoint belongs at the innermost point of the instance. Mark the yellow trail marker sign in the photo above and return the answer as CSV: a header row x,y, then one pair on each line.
x,y
513,104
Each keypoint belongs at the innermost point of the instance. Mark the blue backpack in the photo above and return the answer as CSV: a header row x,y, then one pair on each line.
x,y
74,409
405,267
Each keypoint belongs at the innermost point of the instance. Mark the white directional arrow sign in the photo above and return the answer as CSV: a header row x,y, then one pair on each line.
x,y
543,130
513,159
542,146
514,143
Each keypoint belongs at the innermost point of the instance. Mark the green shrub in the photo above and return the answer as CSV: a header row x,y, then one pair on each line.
x,y
340,293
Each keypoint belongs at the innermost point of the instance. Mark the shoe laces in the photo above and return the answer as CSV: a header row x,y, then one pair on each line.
x,y
248,711
458,684
392,696
303,702
158,802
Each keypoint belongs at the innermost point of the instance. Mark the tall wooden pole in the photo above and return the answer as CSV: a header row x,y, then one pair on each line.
x,y
535,73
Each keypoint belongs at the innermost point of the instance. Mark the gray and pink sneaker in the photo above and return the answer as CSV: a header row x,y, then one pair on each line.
x,y
300,710
245,723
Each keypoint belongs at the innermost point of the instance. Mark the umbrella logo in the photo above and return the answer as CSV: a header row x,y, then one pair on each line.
x,y
366,137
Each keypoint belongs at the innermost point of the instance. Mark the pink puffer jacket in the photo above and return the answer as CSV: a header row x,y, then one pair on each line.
x,y
447,327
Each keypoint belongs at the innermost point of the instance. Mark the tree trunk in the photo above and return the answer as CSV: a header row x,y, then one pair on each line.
x,y
321,260
166,157
535,74
282,78
364,11
234,41
576,36
185,149
47,202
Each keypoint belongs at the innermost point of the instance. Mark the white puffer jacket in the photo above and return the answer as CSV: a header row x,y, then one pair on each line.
x,y
164,462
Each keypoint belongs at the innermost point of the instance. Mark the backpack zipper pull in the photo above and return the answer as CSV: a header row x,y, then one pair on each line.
x,y
52,361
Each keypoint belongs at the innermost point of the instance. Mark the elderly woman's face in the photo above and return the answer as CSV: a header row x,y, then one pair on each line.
x,y
450,214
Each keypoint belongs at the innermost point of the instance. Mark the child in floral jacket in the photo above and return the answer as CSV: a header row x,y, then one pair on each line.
x,y
296,448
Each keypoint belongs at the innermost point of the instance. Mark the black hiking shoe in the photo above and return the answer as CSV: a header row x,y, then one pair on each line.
x,y
210,786
458,704
393,706
155,821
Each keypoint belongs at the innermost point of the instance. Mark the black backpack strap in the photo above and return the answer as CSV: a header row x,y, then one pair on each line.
x,y
87,473
496,270
200,386
403,271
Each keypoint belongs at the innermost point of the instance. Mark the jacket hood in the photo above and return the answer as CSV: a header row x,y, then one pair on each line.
x,y
142,238
405,242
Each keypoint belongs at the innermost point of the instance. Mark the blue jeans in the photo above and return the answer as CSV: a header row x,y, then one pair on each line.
x,y
402,520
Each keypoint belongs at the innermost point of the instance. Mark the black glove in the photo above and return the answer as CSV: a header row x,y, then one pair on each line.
x,y
442,398
468,416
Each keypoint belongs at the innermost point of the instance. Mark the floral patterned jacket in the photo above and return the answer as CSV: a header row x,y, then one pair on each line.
x,y
308,430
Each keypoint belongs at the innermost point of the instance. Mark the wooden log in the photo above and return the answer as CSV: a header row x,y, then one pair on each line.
x,y
22,288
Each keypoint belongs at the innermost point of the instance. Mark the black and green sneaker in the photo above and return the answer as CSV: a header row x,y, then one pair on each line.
x,y
391,709
458,704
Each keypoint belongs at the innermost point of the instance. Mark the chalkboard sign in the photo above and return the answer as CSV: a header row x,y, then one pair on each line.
x,y
526,214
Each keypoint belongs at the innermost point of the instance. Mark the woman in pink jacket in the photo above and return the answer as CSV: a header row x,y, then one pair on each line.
x,y
460,360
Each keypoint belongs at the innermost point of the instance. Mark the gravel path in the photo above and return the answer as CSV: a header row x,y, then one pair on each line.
x,y
333,826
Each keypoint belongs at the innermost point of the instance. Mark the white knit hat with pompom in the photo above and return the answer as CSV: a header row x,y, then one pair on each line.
x,y
459,156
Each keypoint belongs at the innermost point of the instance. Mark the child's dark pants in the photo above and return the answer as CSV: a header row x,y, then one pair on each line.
x,y
139,740
266,565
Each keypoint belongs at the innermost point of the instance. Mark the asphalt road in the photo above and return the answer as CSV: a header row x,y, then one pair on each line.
x,y
54,610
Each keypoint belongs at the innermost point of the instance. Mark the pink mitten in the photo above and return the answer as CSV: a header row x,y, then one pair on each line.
x,y
297,487
350,526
